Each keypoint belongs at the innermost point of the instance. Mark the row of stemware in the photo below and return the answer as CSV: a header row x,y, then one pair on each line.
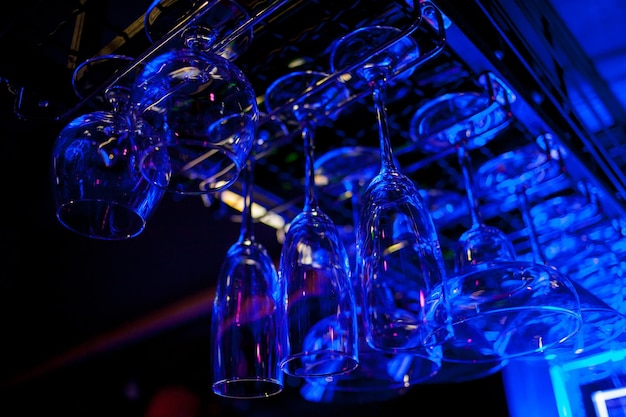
x,y
320,315
392,220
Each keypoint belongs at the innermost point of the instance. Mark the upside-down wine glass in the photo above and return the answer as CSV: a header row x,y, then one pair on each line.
x,y
201,104
529,174
98,188
399,258
490,289
597,349
344,173
248,332
564,226
321,310
521,307
467,120
599,322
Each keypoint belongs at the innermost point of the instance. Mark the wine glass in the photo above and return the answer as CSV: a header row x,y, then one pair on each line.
x,y
98,189
489,288
521,306
467,120
599,322
320,305
343,173
248,332
400,263
603,328
201,104
481,242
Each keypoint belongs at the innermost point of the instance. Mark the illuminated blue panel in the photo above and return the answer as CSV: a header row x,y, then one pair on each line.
x,y
540,388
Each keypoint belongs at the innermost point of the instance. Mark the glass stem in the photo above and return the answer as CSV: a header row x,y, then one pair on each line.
x,y
310,200
466,166
247,222
355,201
386,154
537,254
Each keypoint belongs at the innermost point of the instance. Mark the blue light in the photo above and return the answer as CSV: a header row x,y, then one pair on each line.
x,y
528,383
